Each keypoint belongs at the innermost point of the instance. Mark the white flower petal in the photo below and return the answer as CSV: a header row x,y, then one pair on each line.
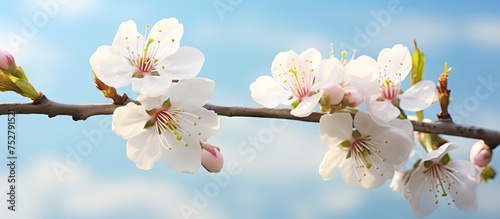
x,y
331,162
382,110
110,66
191,93
150,103
464,192
306,105
335,128
152,86
169,32
397,183
267,92
395,60
312,55
365,124
363,73
182,158
281,64
394,145
200,123
418,97
405,125
350,174
185,63
129,120
127,38
329,73
416,183
144,149
440,152
424,204
374,177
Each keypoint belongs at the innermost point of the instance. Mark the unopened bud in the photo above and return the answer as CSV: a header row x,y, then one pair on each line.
x,y
352,97
7,62
480,154
333,95
211,158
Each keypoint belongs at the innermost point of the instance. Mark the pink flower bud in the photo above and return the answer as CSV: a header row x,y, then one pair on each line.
x,y
211,158
480,154
333,95
353,97
7,62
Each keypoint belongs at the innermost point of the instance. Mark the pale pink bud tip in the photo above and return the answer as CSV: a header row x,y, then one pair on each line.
x,y
353,97
7,62
480,154
211,158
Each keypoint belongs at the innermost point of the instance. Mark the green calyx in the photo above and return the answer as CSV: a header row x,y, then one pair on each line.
x,y
445,160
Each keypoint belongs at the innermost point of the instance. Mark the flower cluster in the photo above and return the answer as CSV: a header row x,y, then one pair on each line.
x,y
370,147
170,122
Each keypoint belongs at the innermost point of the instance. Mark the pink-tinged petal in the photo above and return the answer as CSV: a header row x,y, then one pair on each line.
x,y
185,63
335,128
331,162
211,158
152,86
306,105
328,74
169,32
110,66
200,123
267,92
418,97
129,120
395,60
127,39
182,158
424,204
364,73
144,149
191,93
394,145
381,110
150,103
464,191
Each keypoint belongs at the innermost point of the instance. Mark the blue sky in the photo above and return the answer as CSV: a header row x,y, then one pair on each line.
x,y
279,180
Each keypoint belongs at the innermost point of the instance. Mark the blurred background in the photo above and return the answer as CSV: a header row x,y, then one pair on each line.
x,y
70,169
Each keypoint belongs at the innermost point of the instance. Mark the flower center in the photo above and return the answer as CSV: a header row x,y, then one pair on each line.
x,y
390,86
145,60
441,179
364,154
179,123
299,78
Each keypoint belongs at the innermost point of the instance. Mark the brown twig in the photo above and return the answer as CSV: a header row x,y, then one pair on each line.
x,y
82,112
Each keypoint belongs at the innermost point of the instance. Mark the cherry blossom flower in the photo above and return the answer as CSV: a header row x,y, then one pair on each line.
x,y
297,80
439,176
149,64
368,154
169,129
380,82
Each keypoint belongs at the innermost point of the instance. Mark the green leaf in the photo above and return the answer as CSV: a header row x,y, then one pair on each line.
x,y
418,60
417,71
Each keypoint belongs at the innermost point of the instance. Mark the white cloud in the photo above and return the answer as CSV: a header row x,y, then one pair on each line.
x,y
484,31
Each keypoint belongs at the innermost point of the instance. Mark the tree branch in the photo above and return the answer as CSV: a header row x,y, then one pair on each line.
x,y
81,112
